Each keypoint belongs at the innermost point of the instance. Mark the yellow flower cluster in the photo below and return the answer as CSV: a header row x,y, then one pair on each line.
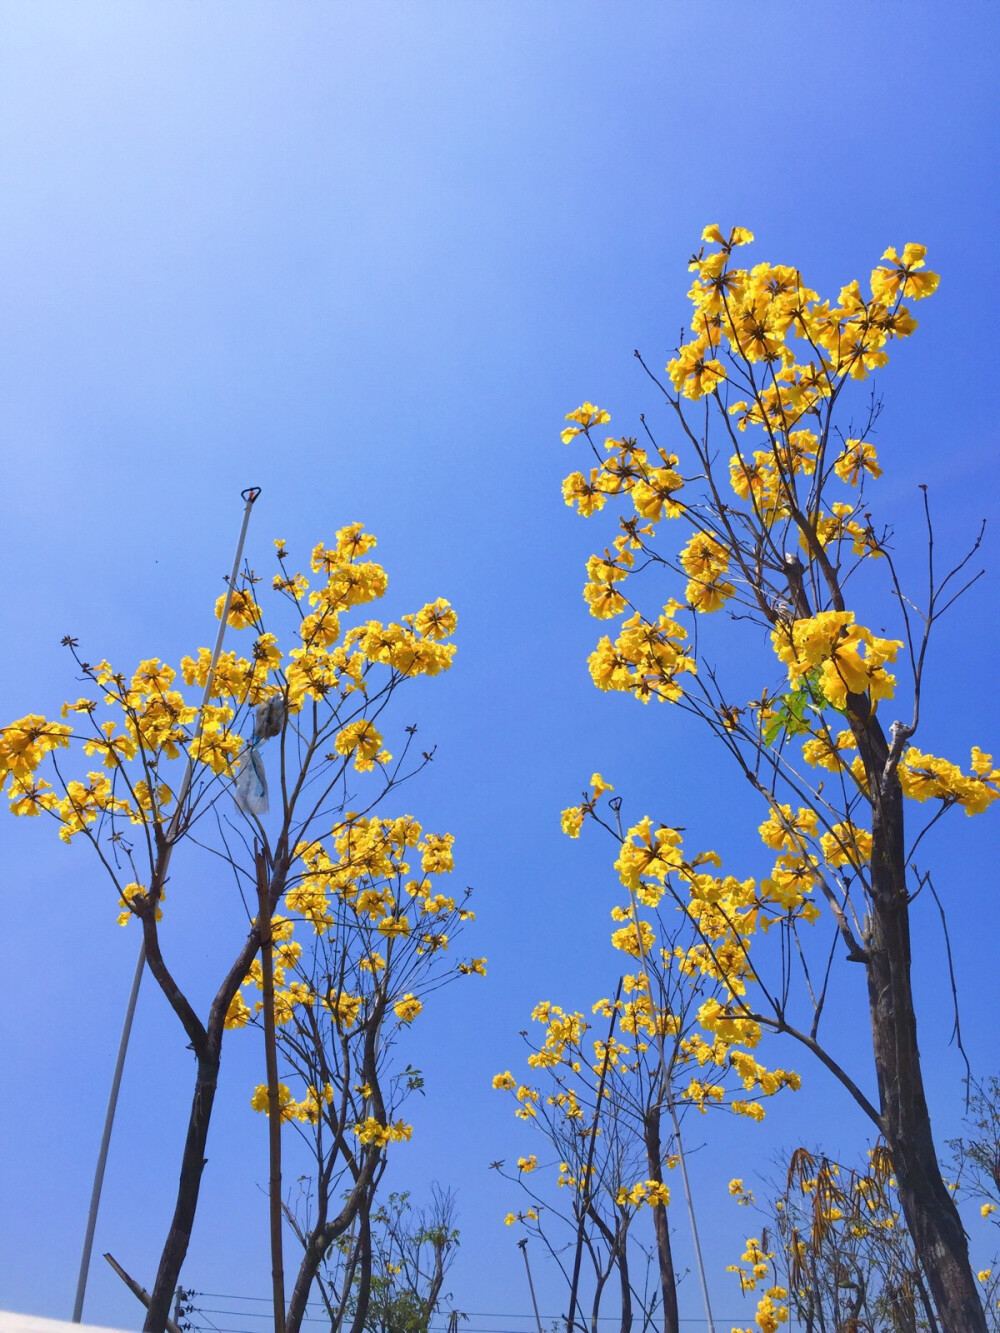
x,y
924,777
705,561
757,1261
653,1193
752,316
647,659
635,939
134,898
648,854
407,1009
571,820
240,680
322,664
370,1131
650,480
156,722
244,612
850,659
604,573
367,872
308,1111
586,415
363,740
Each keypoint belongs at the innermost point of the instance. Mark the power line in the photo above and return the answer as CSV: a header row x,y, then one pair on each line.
x,y
472,1314
469,1314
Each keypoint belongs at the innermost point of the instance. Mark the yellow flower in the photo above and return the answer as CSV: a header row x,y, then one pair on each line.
x,y
407,1008
635,942
586,415
657,1194
31,798
391,926
527,1163
571,821
693,373
136,894
353,541
238,1013
259,1101
363,740
243,610
436,855
857,457
370,1131
901,275
738,236
436,620
834,643
474,967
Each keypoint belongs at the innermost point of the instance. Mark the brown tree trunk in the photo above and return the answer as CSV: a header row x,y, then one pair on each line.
x,y
365,1275
322,1236
206,1041
929,1209
668,1278
358,1203
624,1279
192,1166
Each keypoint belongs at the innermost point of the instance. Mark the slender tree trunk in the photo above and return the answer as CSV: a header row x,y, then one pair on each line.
x,y
365,1274
624,1280
324,1233
192,1166
437,1282
661,1227
358,1204
929,1209
206,1041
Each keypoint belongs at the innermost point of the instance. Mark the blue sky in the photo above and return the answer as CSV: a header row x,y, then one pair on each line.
x,y
366,256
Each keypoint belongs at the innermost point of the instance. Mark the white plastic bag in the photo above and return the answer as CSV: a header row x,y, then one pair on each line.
x,y
251,785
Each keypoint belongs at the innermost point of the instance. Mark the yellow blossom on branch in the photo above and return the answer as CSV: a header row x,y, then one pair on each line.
x,y
586,415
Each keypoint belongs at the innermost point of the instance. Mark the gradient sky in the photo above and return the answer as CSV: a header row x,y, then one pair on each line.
x,y
366,256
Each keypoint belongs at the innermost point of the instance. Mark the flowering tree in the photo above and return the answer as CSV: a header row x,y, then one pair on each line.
x,y
166,771
836,1248
380,944
611,1112
386,1274
774,500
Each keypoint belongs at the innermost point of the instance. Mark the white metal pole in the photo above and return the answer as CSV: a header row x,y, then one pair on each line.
x,y
249,495
694,1224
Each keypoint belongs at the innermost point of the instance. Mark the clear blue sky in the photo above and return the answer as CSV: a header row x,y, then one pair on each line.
x,y
366,256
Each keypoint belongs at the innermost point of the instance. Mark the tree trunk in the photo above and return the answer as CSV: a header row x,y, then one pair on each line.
x,y
192,1165
206,1042
365,1275
929,1209
324,1233
668,1278
624,1279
